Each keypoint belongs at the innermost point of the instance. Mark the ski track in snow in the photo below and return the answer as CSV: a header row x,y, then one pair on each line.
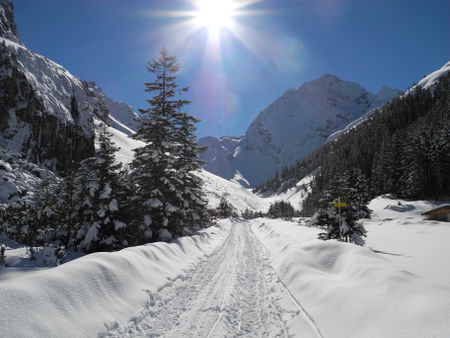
x,y
234,292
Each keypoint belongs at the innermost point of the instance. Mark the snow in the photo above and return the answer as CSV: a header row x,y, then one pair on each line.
x,y
19,263
403,235
294,195
55,87
352,291
124,142
289,129
82,297
215,187
426,83
238,278
260,277
240,198
430,80
18,177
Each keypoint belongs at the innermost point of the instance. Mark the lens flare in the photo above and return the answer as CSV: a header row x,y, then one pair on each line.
x,y
215,15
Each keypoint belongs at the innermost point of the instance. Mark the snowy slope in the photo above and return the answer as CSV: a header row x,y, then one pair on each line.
x,y
46,112
427,82
290,128
215,187
294,195
430,80
386,289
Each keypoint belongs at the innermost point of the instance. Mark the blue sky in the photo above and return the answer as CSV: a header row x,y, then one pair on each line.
x,y
235,75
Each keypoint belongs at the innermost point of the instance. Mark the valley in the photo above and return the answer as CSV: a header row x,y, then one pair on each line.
x,y
121,222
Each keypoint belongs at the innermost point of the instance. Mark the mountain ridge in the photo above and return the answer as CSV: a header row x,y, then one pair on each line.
x,y
46,112
290,128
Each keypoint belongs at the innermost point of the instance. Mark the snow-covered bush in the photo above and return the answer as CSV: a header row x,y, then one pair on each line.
x,y
47,255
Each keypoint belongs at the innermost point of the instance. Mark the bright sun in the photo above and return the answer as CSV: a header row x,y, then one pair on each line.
x,y
215,14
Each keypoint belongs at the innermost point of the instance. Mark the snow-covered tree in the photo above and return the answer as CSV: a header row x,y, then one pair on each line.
x,y
281,209
225,209
192,204
68,211
342,223
167,193
100,187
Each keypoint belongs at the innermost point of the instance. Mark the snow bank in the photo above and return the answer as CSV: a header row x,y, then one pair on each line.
x,y
82,297
351,291
402,235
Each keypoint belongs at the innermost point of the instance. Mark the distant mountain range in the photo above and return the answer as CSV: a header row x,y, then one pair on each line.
x,y
290,128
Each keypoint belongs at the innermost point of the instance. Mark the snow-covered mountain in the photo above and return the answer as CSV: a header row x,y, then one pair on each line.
x,y
46,112
48,118
428,82
290,128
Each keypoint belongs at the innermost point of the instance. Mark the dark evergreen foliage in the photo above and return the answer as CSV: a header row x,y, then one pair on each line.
x,y
281,209
167,191
100,206
225,209
403,149
341,222
100,199
81,211
249,214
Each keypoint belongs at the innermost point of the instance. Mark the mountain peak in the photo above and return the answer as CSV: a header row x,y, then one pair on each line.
x,y
8,28
328,77
387,92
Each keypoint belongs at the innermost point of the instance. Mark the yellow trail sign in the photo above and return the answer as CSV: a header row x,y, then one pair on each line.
x,y
339,204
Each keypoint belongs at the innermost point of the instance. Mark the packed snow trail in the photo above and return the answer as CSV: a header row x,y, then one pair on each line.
x,y
234,292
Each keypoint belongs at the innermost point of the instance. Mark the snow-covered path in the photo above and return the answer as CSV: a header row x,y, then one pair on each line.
x,y
232,292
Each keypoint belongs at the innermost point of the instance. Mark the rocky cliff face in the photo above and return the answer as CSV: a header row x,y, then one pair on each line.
x,y
291,128
8,28
46,112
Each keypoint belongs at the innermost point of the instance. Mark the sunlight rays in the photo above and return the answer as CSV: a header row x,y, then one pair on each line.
x,y
215,37
215,15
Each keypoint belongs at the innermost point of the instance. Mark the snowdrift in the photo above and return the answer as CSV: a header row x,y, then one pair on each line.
x,y
351,291
84,297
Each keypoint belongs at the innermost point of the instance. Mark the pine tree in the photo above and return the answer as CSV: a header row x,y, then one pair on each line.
x,y
68,215
45,206
192,204
100,183
168,194
281,209
341,223
225,209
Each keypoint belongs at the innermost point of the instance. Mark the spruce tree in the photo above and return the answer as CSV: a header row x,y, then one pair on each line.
x,y
191,200
68,215
225,209
167,193
101,198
